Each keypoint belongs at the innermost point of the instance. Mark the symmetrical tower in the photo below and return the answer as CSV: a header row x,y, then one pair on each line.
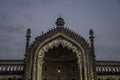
x,y
27,56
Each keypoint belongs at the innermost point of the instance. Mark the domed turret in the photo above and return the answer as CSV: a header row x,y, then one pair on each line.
x,y
28,35
60,22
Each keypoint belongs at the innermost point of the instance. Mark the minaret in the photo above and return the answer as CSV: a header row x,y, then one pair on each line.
x,y
91,34
60,22
28,35
26,63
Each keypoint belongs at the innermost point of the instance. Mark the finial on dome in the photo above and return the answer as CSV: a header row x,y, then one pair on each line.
x,y
60,21
28,32
91,33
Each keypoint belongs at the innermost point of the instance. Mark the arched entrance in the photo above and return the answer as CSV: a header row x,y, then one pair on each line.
x,y
59,59
56,54
60,63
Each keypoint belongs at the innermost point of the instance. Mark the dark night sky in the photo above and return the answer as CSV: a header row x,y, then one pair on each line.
x,y
103,16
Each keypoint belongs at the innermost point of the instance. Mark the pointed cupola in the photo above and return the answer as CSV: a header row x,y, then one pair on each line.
x,y
60,22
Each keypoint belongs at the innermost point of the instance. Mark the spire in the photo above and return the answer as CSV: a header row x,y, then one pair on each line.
x,y
26,69
60,22
91,33
28,35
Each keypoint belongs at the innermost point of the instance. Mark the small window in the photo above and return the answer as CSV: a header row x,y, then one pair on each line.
x,y
19,68
8,68
59,70
3,69
11,68
0,68
15,68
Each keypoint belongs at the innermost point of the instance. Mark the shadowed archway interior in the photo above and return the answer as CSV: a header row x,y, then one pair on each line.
x,y
60,63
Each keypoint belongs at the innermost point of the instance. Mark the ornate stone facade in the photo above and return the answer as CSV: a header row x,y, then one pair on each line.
x,y
59,54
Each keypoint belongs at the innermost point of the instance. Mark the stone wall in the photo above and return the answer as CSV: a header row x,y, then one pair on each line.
x,y
108,77
11,77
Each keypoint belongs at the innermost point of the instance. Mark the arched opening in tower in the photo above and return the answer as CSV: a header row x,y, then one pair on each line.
x,y
60,63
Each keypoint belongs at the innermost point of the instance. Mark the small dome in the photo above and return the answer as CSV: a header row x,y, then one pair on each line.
x,y
28,33
91,32
60,22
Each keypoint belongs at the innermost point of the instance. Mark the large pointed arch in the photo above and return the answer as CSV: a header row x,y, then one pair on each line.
x,y
53,38
65,41
58,39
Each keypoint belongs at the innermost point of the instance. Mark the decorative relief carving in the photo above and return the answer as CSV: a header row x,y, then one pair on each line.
x,y
57,42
